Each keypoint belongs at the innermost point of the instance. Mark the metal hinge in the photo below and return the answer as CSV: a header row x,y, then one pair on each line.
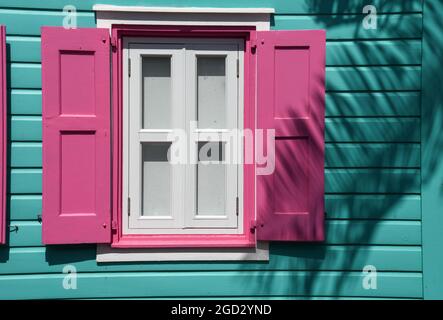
x,y
129,67
114,225
113,43
253,46
129,206
238,68
253,226
236,206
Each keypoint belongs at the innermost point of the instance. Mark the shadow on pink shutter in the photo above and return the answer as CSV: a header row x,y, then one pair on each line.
x,y
76,135
291,100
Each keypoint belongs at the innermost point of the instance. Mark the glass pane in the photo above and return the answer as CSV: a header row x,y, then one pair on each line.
x,y
156,73
156,177
211,179
211,92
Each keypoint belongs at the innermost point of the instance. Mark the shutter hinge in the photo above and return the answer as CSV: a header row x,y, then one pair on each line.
x,y
253,226
114,225
129,67
253,46
113,43
236,206
238,67
129,206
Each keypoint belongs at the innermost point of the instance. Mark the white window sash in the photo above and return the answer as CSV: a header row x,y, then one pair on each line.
x,y
183,208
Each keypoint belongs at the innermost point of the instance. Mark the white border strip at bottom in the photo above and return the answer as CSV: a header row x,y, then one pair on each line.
x,y
105,253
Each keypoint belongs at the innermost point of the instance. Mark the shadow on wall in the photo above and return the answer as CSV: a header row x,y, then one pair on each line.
x,y
349,129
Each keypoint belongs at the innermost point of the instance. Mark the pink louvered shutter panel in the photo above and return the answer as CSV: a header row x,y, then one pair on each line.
x,y
290,100
3,134
76,135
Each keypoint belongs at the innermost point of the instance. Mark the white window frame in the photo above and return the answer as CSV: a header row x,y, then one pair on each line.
x,y
183,53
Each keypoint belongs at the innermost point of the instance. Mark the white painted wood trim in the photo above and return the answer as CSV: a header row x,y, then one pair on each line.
x,y
105,253
260,20
107,7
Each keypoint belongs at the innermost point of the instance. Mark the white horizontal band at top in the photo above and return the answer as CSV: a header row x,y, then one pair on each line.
x,y
106,7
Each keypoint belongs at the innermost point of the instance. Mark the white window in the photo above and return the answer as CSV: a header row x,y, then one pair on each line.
x,y
183,101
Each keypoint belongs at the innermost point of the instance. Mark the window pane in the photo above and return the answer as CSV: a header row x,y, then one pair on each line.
x,y
211,91
211,179
156,92
156,177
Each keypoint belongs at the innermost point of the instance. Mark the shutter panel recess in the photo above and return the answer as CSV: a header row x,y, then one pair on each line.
x,y
76,135
291,90
3,135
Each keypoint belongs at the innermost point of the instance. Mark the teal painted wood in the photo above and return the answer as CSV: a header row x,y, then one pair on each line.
x,y
282,257
26,181
281,6
24,49
25,207
25,102
26,128
381,155
432,150
372,181
372,78
26,154
223,283
372,156
29,22
364,104
26,76
337,232
342,27
372,130
379,207
360,53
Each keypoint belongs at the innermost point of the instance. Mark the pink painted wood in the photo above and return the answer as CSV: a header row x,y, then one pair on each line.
x,y
76,136
291,93
119,240
3,134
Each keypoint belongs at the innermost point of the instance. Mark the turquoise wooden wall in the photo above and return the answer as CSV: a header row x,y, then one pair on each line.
x,y
373,168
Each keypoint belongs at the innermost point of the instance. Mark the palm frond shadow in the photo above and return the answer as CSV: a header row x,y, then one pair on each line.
x,y
307,259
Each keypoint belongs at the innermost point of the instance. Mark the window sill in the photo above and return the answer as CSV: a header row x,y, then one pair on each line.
x,y
106,253
184,241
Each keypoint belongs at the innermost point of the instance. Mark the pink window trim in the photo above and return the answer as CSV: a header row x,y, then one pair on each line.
x,y
3,133
247,238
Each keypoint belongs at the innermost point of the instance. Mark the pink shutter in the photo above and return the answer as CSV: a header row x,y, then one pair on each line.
x,y
291,90
76,135
3,135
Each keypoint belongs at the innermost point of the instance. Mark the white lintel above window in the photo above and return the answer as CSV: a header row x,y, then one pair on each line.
x,y
107,15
